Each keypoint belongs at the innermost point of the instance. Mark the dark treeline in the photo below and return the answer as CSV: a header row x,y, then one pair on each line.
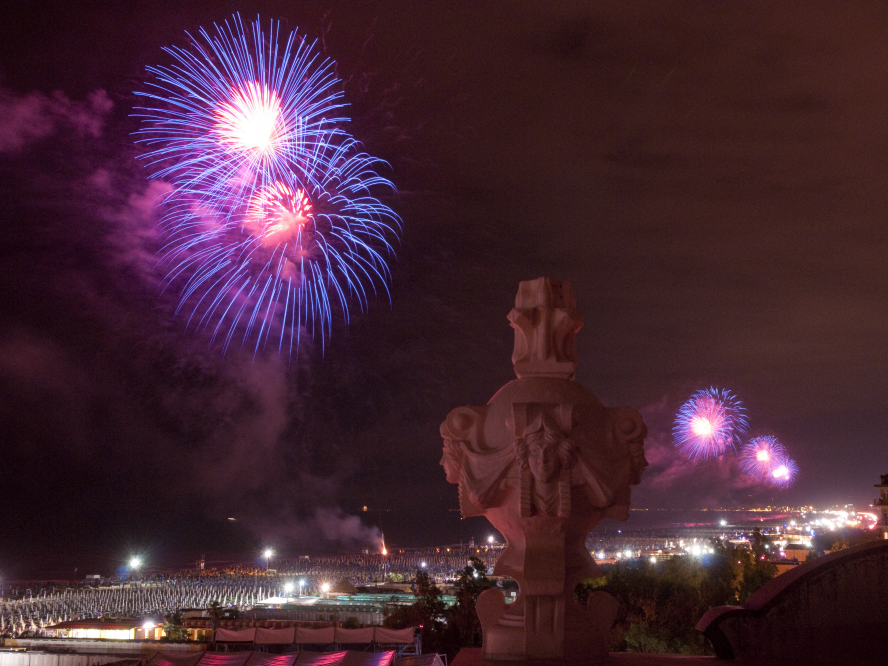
x,y
660,602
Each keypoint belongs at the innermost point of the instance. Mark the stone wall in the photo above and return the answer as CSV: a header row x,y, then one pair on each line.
x,y
832,610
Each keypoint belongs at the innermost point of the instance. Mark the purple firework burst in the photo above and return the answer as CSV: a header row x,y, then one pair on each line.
x,y
273,224
760,456
710,423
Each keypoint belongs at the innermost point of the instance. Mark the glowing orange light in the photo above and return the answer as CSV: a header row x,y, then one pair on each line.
x,y
251,121
701,426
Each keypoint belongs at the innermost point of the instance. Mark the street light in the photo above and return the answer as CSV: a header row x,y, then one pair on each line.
x,y
134,564
267,554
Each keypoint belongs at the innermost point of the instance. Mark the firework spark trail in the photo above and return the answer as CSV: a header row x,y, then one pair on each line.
x,y
711,423
273,224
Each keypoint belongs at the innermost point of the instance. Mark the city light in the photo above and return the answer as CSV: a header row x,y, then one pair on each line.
x,y
785,538
490,539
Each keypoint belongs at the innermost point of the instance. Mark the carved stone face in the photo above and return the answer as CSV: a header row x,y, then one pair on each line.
x,y
638,464
542,459
451,466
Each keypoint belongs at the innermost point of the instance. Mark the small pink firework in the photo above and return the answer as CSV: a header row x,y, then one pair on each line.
x,y
785,473
760,456
765,460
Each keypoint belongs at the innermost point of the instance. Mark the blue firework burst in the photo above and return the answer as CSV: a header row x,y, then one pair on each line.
x,y
711,423
273,223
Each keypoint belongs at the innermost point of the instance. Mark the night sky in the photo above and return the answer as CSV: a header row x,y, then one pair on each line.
x,y
711,177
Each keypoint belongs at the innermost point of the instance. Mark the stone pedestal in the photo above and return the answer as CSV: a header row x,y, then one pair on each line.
x,y
545,462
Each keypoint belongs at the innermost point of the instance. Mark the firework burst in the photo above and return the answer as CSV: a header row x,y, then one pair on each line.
x,y
760,456
785,473
765,460
273,224
711,423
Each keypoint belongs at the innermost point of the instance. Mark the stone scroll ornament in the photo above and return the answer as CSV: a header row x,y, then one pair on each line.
x,y
544,461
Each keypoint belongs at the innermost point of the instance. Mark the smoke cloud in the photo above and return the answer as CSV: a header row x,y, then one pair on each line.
x,y
29,118
95,359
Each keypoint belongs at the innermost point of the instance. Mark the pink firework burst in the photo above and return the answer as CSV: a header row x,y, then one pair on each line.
x,y
765,459
760,456
709,424
785,473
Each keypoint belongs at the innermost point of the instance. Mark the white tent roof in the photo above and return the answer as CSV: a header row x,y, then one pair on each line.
x,y
277,601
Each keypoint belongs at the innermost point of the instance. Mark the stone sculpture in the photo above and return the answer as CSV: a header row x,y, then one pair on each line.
x,y
545,462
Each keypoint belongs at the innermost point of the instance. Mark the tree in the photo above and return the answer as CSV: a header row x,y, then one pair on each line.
x,y
215,610
660,602
463,625
173,629
757,570
746,569
351,622
427,612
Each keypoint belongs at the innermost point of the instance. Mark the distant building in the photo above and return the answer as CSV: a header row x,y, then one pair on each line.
x,y
881,503
784,564
126,630
797,551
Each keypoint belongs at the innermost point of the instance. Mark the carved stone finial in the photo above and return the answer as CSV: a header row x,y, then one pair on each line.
x,y
544,461
546,321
